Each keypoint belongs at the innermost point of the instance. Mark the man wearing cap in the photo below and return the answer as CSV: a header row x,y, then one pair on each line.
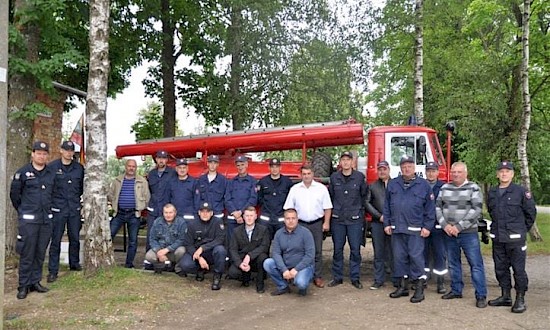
x,y
167,236
513,211
69,185
312,202
129,195
381,242
184,194
409,215
212,187
435,252
272,192
204,247
348,190
241,193
31,195
458,208
248,249
158,179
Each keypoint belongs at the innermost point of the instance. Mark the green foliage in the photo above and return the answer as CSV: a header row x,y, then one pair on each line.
x,y
149,123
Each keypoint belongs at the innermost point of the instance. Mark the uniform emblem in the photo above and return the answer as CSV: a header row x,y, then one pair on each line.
x,y
16,176
42,145
432,197
222,227
528,195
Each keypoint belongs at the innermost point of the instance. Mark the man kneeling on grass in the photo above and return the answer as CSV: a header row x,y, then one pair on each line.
x,y
292,256
166,238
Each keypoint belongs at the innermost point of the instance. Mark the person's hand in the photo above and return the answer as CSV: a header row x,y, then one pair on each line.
x,y
326,226
293,273
203,263
388,230
424,232
197,254
238,215
286,275
244,267
451,230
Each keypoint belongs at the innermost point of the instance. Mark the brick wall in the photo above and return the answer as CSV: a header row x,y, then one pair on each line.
x,y
48,127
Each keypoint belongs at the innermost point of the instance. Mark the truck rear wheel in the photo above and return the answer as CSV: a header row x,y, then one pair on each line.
x,y
322,164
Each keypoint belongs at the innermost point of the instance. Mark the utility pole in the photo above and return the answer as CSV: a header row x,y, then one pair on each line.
x,y
4,10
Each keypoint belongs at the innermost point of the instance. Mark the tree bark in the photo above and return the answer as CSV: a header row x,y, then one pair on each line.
x,y
98,248
168,65
21,93
235,49
526,114
419,64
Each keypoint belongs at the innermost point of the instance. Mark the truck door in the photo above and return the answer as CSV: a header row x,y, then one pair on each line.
x,y
407,144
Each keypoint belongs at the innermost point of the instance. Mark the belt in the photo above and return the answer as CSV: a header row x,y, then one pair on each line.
x,y
126,210
312,221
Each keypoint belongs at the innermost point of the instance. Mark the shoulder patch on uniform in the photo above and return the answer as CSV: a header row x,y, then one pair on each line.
x,y
17,176
222,227
528,195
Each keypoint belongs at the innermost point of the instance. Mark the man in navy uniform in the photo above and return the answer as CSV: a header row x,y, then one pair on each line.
x,y
212,187
31,195
513,211
69,185
272,192
184,194
409,215
204,247
348,190
241,193
159,180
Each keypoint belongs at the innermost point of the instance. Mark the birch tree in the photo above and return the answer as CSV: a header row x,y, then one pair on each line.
x,y
419,63
98,248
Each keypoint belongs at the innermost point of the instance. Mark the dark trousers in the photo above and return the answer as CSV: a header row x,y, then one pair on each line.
x,y
150,220
73,224
506,255
435,253
408,255
132,224
316,229
381,244
32,243
214,257
354,235
256,265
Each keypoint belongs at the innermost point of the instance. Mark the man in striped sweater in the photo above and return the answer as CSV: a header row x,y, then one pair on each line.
x,y
458,208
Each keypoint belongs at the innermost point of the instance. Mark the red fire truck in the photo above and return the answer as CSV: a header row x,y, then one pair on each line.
x,y
388,143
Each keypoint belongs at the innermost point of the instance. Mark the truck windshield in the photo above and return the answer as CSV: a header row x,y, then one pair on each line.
x,y
414,146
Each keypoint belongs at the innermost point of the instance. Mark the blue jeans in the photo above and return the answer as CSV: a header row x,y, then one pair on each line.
x,y
132,224
354,234
302,279
469,243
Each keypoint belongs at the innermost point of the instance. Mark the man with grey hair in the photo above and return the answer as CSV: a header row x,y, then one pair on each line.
x,y
458,208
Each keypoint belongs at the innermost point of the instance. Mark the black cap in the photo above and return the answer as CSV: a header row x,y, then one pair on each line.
x,y
406,159
181,161
67,145
241,158
346,154
205,206
213,158
40,145
432,166
162,154
382,163
274,161
505,165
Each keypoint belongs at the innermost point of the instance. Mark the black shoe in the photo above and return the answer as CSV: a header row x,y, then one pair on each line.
x,y
52,278
22,292
129,266
402,289
148,266
159,271
245,283
280,292
302,292
216,282
260,287
334,283
76,268
182,274
519,304
37,287
451,295
357,284
481,302
504,300
376,286
418,295
200,276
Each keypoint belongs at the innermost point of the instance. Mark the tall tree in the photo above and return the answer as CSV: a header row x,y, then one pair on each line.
x,y
98,245
419,63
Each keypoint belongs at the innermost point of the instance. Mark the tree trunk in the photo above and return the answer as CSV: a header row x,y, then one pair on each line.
x,y
235,49
21,91
419,64
168,64
526,115
98,247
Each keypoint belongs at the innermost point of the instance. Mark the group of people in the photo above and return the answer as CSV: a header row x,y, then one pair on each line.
x,y
210,223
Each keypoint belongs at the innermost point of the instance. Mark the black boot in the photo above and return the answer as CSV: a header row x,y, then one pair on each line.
x,y
441,284
519,304
504,300
418,292
216,283
402,288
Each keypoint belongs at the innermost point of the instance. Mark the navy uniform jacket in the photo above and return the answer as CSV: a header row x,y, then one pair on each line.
x,y
69,186
240,245
31,193
272,195
436,188
408,210
205,234
241,193
213,193
348,197
164,235
513,213
184,194
159,186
